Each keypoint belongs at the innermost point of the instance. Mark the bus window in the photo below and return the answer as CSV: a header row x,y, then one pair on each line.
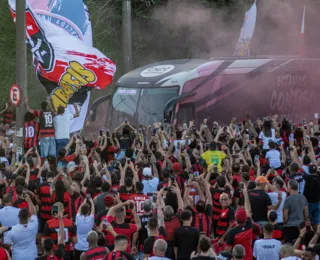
x,y
97,116
152,102
186,113
124,105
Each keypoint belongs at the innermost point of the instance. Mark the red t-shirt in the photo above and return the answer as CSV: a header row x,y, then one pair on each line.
x,y
3,254
123,229
139,199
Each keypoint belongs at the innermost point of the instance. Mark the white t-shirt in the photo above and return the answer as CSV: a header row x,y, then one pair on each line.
x,y
274,200
266,249
9,218
274,158
291,258
84,226
150,186
266,140
62,125
23,240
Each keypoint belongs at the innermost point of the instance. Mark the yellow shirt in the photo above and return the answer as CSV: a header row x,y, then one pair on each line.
x,y
214,157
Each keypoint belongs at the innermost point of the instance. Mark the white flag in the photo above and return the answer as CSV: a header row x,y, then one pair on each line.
x,y
248,26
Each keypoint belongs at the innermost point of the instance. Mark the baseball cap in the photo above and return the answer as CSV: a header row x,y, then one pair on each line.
x,y
213,145
261,179
71,164
241,215
13,176
108,201
147,172
176,167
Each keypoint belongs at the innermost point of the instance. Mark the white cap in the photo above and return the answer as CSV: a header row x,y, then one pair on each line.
x,y
147,172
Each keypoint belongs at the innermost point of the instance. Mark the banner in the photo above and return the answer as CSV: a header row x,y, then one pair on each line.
x,y
248,26
60,37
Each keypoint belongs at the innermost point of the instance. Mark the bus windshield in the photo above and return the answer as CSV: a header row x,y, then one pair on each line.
x,y
140,105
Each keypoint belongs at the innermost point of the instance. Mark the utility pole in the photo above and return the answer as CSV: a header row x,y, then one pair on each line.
x,y
21,70
126,35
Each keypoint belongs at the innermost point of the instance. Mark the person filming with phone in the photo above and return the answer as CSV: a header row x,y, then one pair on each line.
x,y
84,222
69,229
22,236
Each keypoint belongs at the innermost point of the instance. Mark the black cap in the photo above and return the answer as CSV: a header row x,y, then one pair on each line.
x,y
213,145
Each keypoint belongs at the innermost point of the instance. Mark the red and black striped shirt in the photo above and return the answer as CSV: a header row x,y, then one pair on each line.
x,y
216,206
51,230
96,253
226,217
202,221
31,131
8,116
118,254
46,201
46,123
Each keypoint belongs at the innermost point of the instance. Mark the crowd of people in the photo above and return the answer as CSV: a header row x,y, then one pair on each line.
x,y
243,190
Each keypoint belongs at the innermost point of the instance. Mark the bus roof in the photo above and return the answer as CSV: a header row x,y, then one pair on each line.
x,y
157,73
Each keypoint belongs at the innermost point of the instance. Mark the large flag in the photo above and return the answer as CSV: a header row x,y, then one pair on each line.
x,y
302,32
248,26
60,38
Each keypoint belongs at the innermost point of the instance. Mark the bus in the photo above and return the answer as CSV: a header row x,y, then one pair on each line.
x,y
218,89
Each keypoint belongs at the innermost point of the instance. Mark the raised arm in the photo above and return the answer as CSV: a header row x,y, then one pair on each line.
x,y
31,207
77,110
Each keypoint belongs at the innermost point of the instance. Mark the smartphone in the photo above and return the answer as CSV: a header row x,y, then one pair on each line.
x,y
235,156
178,145
60,164
101,133
33,149
136,142
23,158
154,197
24,191
272,170
88,195
256,158
161,127
131,206
215,168
182,148
84,147
140,131
115,192
126,120
129,160
54,210
241,185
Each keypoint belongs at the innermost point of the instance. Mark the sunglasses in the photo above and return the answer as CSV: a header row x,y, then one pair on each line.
x,y
223,199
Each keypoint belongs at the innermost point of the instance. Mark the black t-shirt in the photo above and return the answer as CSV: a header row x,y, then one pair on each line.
x,y
186,239
203,258
143,232
260,201
115,255
125,142
149,242
312,188
59,253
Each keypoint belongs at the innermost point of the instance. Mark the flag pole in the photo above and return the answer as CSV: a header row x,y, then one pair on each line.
x,y
21,70
302,31
126,35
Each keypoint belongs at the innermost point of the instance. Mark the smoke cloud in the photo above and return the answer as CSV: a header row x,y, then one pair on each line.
x,y
190,29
